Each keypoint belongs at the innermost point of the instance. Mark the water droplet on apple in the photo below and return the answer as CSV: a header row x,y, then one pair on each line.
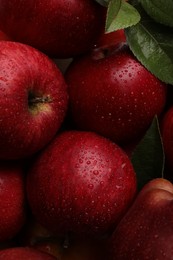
x,y
88,162
80,160
95,172
76,165
91,186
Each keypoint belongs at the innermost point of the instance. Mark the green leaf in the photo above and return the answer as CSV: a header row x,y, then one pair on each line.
x,y
120,15
161,11
148,158
152,44
112,12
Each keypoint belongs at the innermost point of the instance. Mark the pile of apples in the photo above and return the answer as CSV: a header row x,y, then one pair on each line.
x,y
74,103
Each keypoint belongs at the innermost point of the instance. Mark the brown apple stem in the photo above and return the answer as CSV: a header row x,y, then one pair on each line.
x,y
66,242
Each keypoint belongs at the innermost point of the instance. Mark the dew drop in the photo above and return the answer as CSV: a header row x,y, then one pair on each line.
x,y
95,172
91,186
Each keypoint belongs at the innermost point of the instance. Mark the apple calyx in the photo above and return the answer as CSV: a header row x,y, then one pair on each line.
x,y
36,103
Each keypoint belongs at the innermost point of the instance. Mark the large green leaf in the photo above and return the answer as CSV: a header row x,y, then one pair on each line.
x,y
120,15
148,157
161,11
152,44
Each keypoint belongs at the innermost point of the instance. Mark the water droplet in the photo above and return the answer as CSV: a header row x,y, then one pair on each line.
x,y
95,172
91,186
80,160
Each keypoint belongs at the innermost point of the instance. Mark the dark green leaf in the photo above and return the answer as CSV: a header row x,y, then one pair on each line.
x,y
161,11
148,157
120,15
152,44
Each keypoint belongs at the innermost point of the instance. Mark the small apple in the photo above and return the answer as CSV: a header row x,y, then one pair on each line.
x,y
112,94
33,100
80,183
12,200
146,230
61,29
24,253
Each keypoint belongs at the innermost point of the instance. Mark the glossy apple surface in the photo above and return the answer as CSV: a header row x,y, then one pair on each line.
x,y
12,200
33,100
146,231
81,183
112,94
61,29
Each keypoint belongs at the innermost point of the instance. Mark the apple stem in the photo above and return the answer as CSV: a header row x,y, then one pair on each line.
x,y
66,242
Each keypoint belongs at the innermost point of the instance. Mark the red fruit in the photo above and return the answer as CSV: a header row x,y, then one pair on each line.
x,y
60,28
12,200
24,253
113,95
33,100
80,183
106,40
146,231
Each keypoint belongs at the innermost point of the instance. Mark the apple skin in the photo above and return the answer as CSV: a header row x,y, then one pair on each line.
x,y
61,29
146,231
27,253
81,183
12,200
106,40
33,103
113,95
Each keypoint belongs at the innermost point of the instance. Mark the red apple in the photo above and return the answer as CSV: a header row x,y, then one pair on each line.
x,y
24,253
146,231
113,95
81,183
61,28
12,200
106,40
33,100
